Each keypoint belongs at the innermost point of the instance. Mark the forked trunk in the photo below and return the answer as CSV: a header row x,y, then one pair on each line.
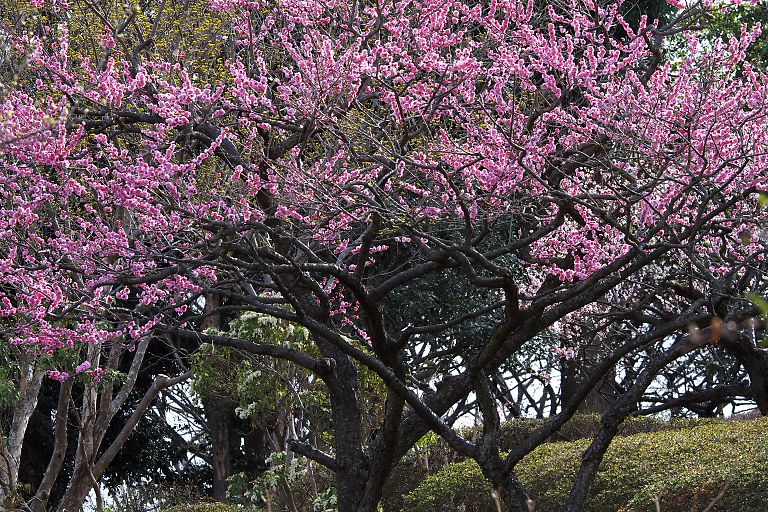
x,y
511,497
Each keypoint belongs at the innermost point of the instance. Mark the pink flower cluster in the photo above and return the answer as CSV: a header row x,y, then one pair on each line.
x,y
427,114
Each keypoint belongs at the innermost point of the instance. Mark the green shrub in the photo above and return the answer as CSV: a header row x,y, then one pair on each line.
x,y
205,507
405,477
685,467
410,472
458,487
585,426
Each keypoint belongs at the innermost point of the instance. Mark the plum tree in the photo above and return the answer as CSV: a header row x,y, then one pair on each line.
x,y
581,186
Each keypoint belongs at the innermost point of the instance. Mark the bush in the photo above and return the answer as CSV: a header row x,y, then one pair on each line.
x,y
405,477
458,487
685,467
585,426
205,507
410,472
153,497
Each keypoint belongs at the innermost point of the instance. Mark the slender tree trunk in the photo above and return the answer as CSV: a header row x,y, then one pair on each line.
x,y
30,381
381,453
508,493
374,486
78,489
81,481
610,421
590,461
219,414
40,500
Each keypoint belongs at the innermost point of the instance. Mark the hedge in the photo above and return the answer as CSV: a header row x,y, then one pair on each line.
x,y
585,426
205,507
685,467
408,474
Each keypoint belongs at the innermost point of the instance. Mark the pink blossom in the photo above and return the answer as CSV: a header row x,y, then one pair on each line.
x,y
57,375
82,367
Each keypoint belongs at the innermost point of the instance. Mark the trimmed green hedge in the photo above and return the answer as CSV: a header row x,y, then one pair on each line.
x,y
585,426
205,507
686,467
409,474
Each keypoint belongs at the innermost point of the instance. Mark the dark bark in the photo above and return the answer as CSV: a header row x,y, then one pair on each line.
x,y
511,497
576,372
508,493
591,460
755,362
219,413
352,467
382,453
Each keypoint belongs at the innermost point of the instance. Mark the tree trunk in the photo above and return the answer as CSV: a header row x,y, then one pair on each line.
x,y
511,497
610,421
30,381
40,501
508,493
755,362
219,416
352,470
352,467
81,481
374,488
575,372
219,412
